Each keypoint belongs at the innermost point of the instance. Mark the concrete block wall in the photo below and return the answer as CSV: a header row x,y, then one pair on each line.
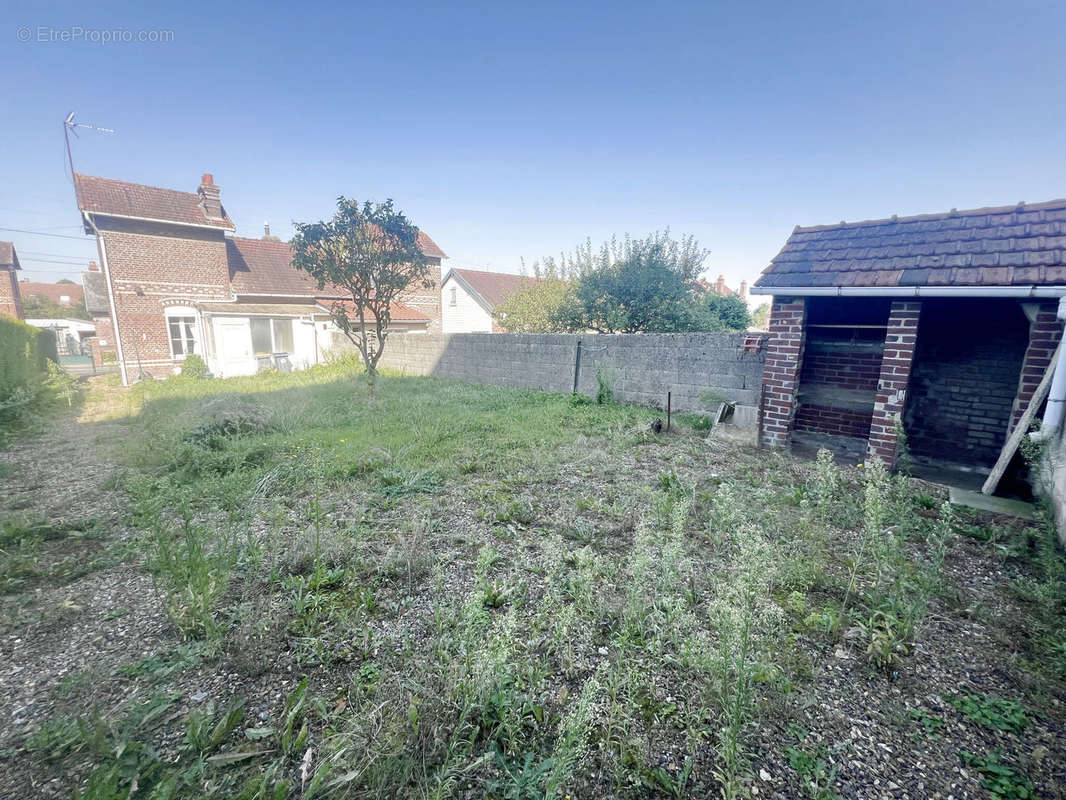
x,y
642,368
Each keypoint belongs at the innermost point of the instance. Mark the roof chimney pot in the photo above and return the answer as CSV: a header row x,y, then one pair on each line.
x,y
207,179
93,267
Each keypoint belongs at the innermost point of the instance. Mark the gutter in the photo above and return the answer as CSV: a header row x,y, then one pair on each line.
x,y
912,291
110,294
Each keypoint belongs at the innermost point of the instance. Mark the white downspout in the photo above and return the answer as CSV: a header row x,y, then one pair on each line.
x,y
110,296
1056,398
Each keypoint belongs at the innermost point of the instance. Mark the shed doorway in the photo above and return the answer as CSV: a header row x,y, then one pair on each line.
x,y
963,383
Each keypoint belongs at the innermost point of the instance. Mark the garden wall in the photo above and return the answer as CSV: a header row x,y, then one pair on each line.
x,y
641,367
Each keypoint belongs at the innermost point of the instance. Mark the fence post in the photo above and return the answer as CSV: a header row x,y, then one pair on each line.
x,y
577,365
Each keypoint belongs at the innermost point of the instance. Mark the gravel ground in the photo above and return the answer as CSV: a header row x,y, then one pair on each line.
x,y
62,640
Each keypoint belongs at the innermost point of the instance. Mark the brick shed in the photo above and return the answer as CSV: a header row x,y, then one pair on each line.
x,y
944,322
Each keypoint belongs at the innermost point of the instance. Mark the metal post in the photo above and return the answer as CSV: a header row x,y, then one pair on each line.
x,y
577,365
668,412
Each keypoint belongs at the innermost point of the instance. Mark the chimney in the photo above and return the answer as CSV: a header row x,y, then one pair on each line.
x,y
93,267
209,197
744,290
719,286
266,234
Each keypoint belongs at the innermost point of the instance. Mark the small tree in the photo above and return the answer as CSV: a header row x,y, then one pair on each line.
x,y
710,312
637,285
371,252
535,308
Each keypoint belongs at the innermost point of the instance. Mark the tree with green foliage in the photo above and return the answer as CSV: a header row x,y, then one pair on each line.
x,y
636,285
535,308
632,286
760,317
371,252
712,312
37,306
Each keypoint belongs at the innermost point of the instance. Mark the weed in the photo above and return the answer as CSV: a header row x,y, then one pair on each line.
x,y
1002,780
815,771
997,713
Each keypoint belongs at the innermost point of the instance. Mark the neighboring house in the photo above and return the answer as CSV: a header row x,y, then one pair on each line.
x,y
469,297
73,336
64,294
102,344
943,323
719,288
10,297
177,281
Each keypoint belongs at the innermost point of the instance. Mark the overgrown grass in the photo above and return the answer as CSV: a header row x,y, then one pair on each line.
x,y
482,592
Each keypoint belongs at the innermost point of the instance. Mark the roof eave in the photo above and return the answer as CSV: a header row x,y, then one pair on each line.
x,y
912,291
229,226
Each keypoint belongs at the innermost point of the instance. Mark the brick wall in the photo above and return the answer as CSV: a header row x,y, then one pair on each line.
x,y
964,381
10,298
103,342
152,266
832,420
901,336
428,301
838,381
780,379
641,368
1045,331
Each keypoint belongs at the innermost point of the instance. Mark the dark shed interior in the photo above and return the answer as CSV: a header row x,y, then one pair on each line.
x,y
964,380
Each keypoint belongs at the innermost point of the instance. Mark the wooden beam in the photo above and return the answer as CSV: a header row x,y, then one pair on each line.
x,y
1022,428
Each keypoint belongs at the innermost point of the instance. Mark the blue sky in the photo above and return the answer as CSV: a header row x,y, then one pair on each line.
x,y
517,130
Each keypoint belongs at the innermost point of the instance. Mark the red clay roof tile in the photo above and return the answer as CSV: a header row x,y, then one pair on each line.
x,y
110,197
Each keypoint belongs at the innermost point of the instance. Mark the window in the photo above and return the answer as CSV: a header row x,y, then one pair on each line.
x,y
271,336
453,301
182,331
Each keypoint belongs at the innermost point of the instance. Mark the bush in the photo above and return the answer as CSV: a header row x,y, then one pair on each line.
x,y
25,357
22,356
194,367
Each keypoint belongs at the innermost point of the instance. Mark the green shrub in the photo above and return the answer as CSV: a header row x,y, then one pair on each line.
x,y
194,367
22,357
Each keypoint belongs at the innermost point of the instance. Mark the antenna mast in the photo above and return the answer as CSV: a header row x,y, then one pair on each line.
x,y
70,126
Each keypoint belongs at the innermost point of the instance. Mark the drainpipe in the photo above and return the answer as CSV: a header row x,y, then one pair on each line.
x,y
110,296
1057,395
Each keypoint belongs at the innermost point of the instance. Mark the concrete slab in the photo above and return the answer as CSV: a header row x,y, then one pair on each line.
x,y
997,505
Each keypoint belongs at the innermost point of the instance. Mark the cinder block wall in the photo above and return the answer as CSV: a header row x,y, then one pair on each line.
x,y
642,368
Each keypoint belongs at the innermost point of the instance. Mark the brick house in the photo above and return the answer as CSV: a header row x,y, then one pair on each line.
x,y
63,294
469,297
177,281
10,298
945,322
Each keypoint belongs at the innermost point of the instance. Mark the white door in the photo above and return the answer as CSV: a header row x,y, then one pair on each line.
x,y
233,342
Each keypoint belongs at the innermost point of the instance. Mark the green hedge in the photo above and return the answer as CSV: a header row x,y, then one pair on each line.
x,y
24,354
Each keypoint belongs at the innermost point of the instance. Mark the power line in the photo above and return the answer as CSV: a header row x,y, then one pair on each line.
x,y
38,233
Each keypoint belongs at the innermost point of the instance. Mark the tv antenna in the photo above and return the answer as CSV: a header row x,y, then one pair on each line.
x,y
70,125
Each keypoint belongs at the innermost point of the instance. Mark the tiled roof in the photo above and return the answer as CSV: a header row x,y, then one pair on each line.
x,y
429,247
494,287
398,312
106,196
1007,246
53,291
262,267
8,256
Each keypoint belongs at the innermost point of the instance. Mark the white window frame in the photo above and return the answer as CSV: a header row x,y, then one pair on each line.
x,y
183,312
273,335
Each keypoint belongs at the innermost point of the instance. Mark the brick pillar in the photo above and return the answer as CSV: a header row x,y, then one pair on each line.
x,y
780,377
1044,334
900,339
